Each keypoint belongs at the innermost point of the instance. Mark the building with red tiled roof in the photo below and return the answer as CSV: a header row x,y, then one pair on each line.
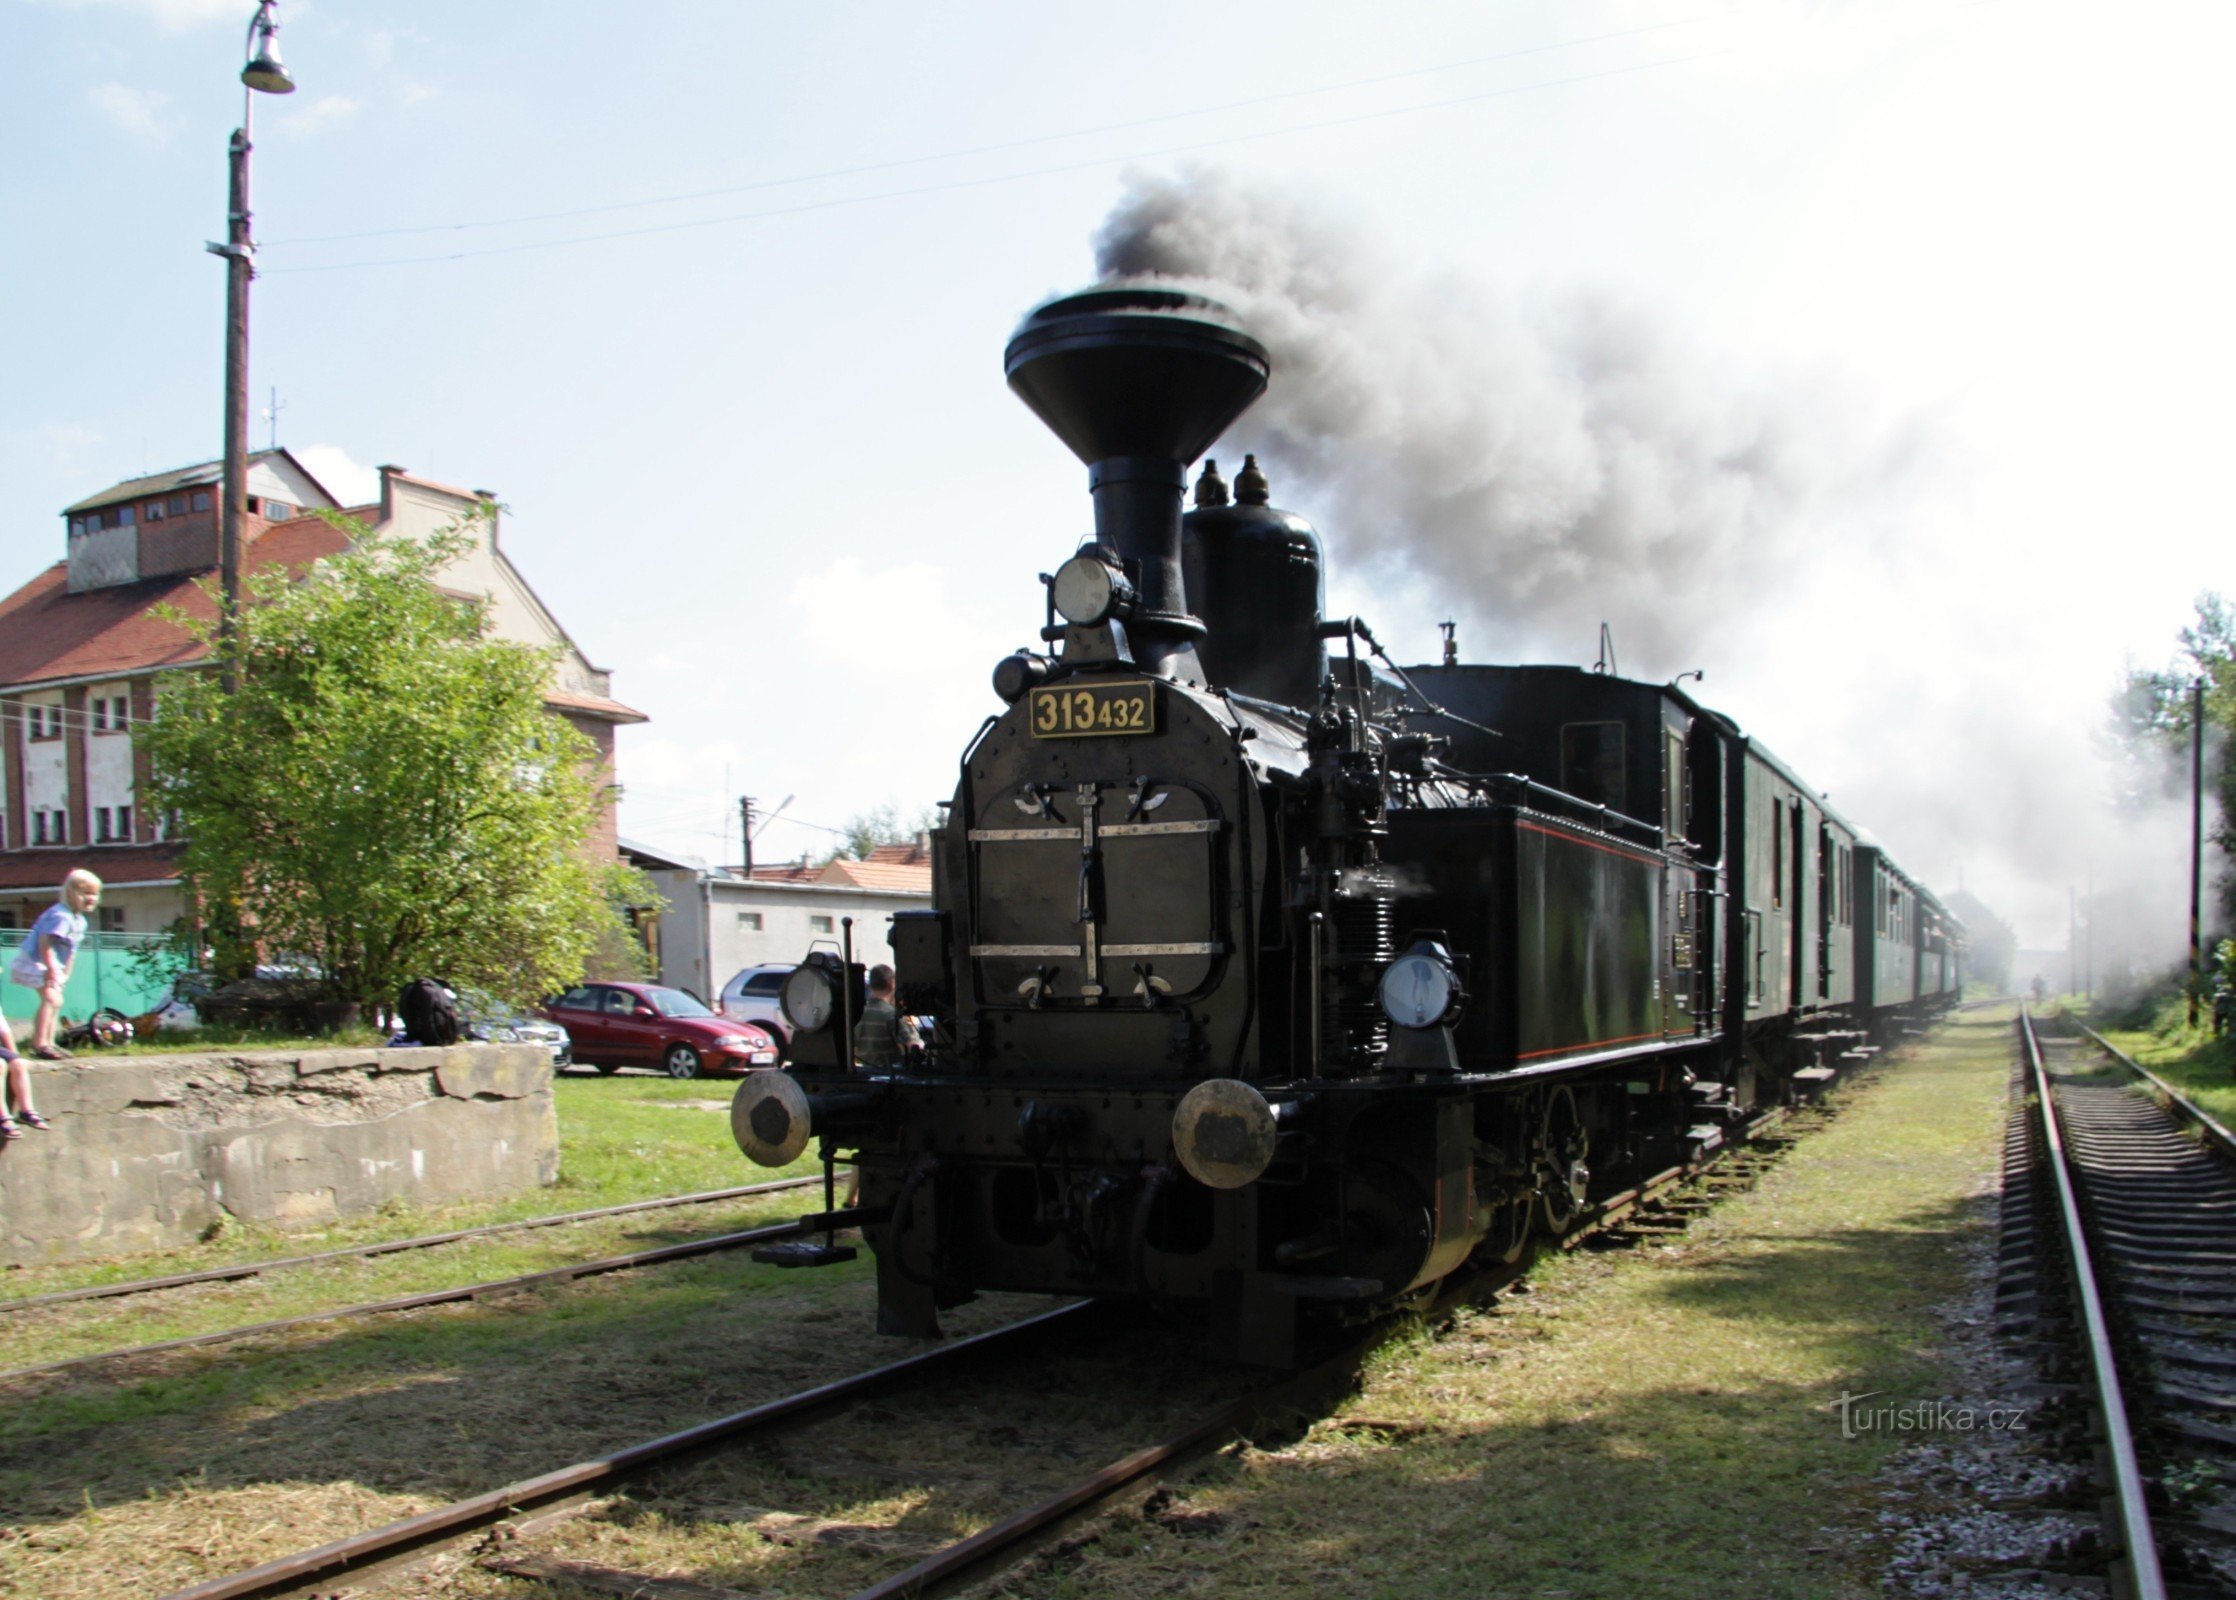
x,y
81,646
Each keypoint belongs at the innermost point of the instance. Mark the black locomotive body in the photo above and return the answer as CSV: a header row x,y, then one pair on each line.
x,y
1266,978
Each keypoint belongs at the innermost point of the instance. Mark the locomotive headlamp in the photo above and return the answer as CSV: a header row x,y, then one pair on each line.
x,y
1087,590
808,996
1222,1131
1420,989
770,1119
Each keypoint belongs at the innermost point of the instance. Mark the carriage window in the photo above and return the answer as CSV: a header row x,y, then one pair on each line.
x,y
1777,856
1592,762
1676,803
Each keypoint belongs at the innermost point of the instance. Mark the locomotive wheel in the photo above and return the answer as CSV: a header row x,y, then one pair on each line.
x,y
1509,1232
1563,1173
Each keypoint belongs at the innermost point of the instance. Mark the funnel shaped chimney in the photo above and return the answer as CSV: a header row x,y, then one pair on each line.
x,y
1139,380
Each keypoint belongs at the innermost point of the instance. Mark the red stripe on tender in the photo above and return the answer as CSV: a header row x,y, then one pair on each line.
x,y
1590,844
1628,1038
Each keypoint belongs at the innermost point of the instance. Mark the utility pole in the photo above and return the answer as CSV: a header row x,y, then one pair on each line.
x,y
2196,844
745,830
2072,940
263,75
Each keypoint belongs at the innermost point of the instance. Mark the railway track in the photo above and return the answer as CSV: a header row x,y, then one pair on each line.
x,y
424,1241
508,1520
2120,1247
714,1243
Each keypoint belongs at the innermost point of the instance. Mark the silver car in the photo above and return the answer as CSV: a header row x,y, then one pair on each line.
x,y
751,996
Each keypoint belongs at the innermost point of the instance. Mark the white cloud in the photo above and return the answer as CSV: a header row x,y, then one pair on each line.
x,y
347,479
316,116
138,113
419,93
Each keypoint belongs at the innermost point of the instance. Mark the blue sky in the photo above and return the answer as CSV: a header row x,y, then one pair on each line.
x,y
758,452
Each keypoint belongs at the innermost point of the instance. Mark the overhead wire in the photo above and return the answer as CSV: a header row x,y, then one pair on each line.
x,y
992,180
996,147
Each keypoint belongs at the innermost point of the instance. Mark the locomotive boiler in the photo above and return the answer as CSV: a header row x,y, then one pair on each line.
x,y
1272,979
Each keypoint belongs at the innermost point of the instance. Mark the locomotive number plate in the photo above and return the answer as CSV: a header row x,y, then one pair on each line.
x,y
1083,711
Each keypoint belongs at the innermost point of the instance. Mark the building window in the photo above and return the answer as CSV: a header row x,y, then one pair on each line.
x,y
278,510
110,713
112,824
42,721
819,924
749,922
112,919
169,824
201,499
126,516
49,826
178,505
155,511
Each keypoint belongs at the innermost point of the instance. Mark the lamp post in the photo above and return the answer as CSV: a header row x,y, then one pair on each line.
x,y
262,75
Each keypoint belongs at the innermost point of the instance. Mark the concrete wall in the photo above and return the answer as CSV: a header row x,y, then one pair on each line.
x,y
149,1151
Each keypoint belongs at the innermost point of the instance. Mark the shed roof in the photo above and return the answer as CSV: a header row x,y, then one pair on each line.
x,y
201,473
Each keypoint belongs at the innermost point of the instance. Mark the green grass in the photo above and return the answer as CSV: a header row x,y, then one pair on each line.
x,y
1657,1423
2191,1059
621,1139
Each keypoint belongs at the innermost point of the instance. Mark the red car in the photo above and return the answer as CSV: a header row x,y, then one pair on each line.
x,y
649,1025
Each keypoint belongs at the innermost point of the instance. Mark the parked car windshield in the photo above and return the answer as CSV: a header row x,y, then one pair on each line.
x,y
675,1003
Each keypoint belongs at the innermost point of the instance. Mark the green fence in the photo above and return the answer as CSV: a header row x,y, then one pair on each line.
x,y
123,971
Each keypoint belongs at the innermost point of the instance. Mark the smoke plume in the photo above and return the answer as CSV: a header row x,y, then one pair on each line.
x,y
1554,464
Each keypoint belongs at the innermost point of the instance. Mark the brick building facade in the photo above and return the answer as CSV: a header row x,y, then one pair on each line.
x,y
81,648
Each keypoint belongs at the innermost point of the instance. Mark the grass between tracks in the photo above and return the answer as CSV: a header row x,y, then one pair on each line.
x,y
1656,1422
1653,1422
621,1139
2191,1059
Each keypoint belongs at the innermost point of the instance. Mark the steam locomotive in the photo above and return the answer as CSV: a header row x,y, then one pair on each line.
x,y
1274,979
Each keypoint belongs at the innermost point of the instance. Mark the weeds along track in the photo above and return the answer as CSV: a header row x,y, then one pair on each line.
x,y
546,1278
2119,1264
928,1470
424,1241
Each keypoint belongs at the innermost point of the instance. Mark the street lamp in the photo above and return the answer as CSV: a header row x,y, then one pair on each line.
x,y
262,75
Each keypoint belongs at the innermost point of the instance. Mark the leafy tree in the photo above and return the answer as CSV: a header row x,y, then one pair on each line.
x,y
866,830
2152,716
1990,942
381,794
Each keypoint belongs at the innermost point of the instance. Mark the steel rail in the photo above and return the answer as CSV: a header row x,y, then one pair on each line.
x,y
436,1297
2133,1515
2216,1134
410,1532
951,1561
250,1269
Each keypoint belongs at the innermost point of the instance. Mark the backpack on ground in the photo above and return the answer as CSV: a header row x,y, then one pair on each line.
x,y
429,1012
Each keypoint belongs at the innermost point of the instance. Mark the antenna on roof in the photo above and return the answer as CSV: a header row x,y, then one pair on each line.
x,y
271,419
1606,662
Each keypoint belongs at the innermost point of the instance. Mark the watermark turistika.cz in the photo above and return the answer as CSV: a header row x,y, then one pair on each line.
x,y
1859,1416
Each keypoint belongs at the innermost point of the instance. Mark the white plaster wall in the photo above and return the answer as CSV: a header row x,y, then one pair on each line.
x,y
419,510
108,756
702,912
276,479
46,773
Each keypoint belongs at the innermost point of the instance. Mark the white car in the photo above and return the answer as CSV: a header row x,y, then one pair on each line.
x,y
751,996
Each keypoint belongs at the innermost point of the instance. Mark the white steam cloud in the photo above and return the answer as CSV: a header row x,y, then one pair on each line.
x,y
1541,463
1559,464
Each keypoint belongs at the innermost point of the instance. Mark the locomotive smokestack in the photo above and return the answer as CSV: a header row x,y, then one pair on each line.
x,y
1139,380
